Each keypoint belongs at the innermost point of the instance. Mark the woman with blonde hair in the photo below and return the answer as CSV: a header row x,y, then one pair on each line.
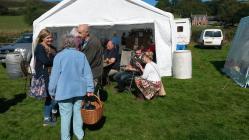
x,y
44,55
149,83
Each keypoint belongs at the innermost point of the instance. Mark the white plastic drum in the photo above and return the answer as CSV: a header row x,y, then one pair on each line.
x,y
13,65
182,64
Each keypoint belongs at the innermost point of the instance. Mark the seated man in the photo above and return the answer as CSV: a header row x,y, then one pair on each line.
x,y
130,70
110,60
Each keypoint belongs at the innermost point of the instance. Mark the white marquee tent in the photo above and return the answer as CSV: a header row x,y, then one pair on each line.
x,y
110,15
237,62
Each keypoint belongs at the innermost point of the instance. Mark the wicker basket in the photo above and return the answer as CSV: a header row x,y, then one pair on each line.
x,y
93,116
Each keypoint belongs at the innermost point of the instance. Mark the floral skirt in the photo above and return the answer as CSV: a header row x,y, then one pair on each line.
x,y
148,88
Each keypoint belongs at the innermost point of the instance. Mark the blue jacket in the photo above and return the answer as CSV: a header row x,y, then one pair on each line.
x,y
71,75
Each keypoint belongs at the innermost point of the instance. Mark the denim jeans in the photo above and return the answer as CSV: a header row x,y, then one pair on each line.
x,y
48,106
69,108
122,77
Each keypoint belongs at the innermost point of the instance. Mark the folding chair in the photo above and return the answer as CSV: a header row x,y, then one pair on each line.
x,y
126,55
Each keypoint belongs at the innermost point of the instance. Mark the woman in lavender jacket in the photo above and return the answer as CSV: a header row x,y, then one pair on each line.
x,y
70,80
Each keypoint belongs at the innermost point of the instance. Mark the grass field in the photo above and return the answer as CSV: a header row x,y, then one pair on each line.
x,y
11,27
210,106
13,24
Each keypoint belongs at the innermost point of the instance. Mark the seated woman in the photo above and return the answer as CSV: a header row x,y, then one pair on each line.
x,y
149,83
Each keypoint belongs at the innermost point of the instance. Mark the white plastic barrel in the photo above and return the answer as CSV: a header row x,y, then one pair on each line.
x,y
182,64
13,65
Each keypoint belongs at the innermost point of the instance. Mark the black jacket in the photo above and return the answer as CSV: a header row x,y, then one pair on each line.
x,y
42,63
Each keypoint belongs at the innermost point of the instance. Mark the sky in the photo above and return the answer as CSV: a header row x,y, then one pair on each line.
x,y
152,2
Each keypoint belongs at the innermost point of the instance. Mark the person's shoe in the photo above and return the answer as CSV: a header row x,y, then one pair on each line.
x,y
48,122
53,117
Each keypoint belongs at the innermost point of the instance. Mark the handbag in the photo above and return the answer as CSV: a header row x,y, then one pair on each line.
x,y
162,91
38,88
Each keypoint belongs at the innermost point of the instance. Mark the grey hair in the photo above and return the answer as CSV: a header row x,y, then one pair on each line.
x,y
74,32
69,41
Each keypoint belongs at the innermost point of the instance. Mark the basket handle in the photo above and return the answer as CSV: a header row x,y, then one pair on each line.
x,y
98,100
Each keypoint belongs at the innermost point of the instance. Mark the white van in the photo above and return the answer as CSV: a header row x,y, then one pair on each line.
x,y
183,30
211,37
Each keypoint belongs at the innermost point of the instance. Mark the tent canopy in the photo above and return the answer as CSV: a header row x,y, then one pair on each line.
x,y
237,62
110,15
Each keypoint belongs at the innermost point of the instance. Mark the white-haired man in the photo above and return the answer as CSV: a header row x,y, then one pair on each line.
x,y
91,47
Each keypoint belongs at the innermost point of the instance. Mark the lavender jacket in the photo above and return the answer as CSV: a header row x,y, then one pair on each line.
x,y
71,75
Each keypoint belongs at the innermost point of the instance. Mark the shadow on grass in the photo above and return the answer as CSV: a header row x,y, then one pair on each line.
x,y
103,94
218,65
199,46
93,127
6,104
96,126
206,48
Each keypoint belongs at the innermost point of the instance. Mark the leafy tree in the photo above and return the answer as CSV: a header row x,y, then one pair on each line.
x,y
34,9
183,8
175,2
212,7
187,7
3,10
227,9
164,5
242,12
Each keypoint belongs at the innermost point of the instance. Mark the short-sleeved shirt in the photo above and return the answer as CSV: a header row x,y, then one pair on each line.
x,y
112,54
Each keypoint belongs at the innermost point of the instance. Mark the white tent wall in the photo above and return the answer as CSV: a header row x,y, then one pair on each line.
x,y
114,13
237,62
164,48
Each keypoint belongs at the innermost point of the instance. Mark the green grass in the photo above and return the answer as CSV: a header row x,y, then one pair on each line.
x,y
11,27
14,24
210,106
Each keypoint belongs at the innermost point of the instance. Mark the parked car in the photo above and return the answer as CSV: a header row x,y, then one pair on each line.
x,y
23,45
211,38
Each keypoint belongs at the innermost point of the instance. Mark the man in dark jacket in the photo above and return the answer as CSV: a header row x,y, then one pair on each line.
x,y
93,50
130,70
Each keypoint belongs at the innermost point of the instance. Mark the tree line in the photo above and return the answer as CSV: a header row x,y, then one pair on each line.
x,y
228,12
30,9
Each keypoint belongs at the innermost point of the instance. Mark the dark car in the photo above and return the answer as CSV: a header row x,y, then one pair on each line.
x,y
23,45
